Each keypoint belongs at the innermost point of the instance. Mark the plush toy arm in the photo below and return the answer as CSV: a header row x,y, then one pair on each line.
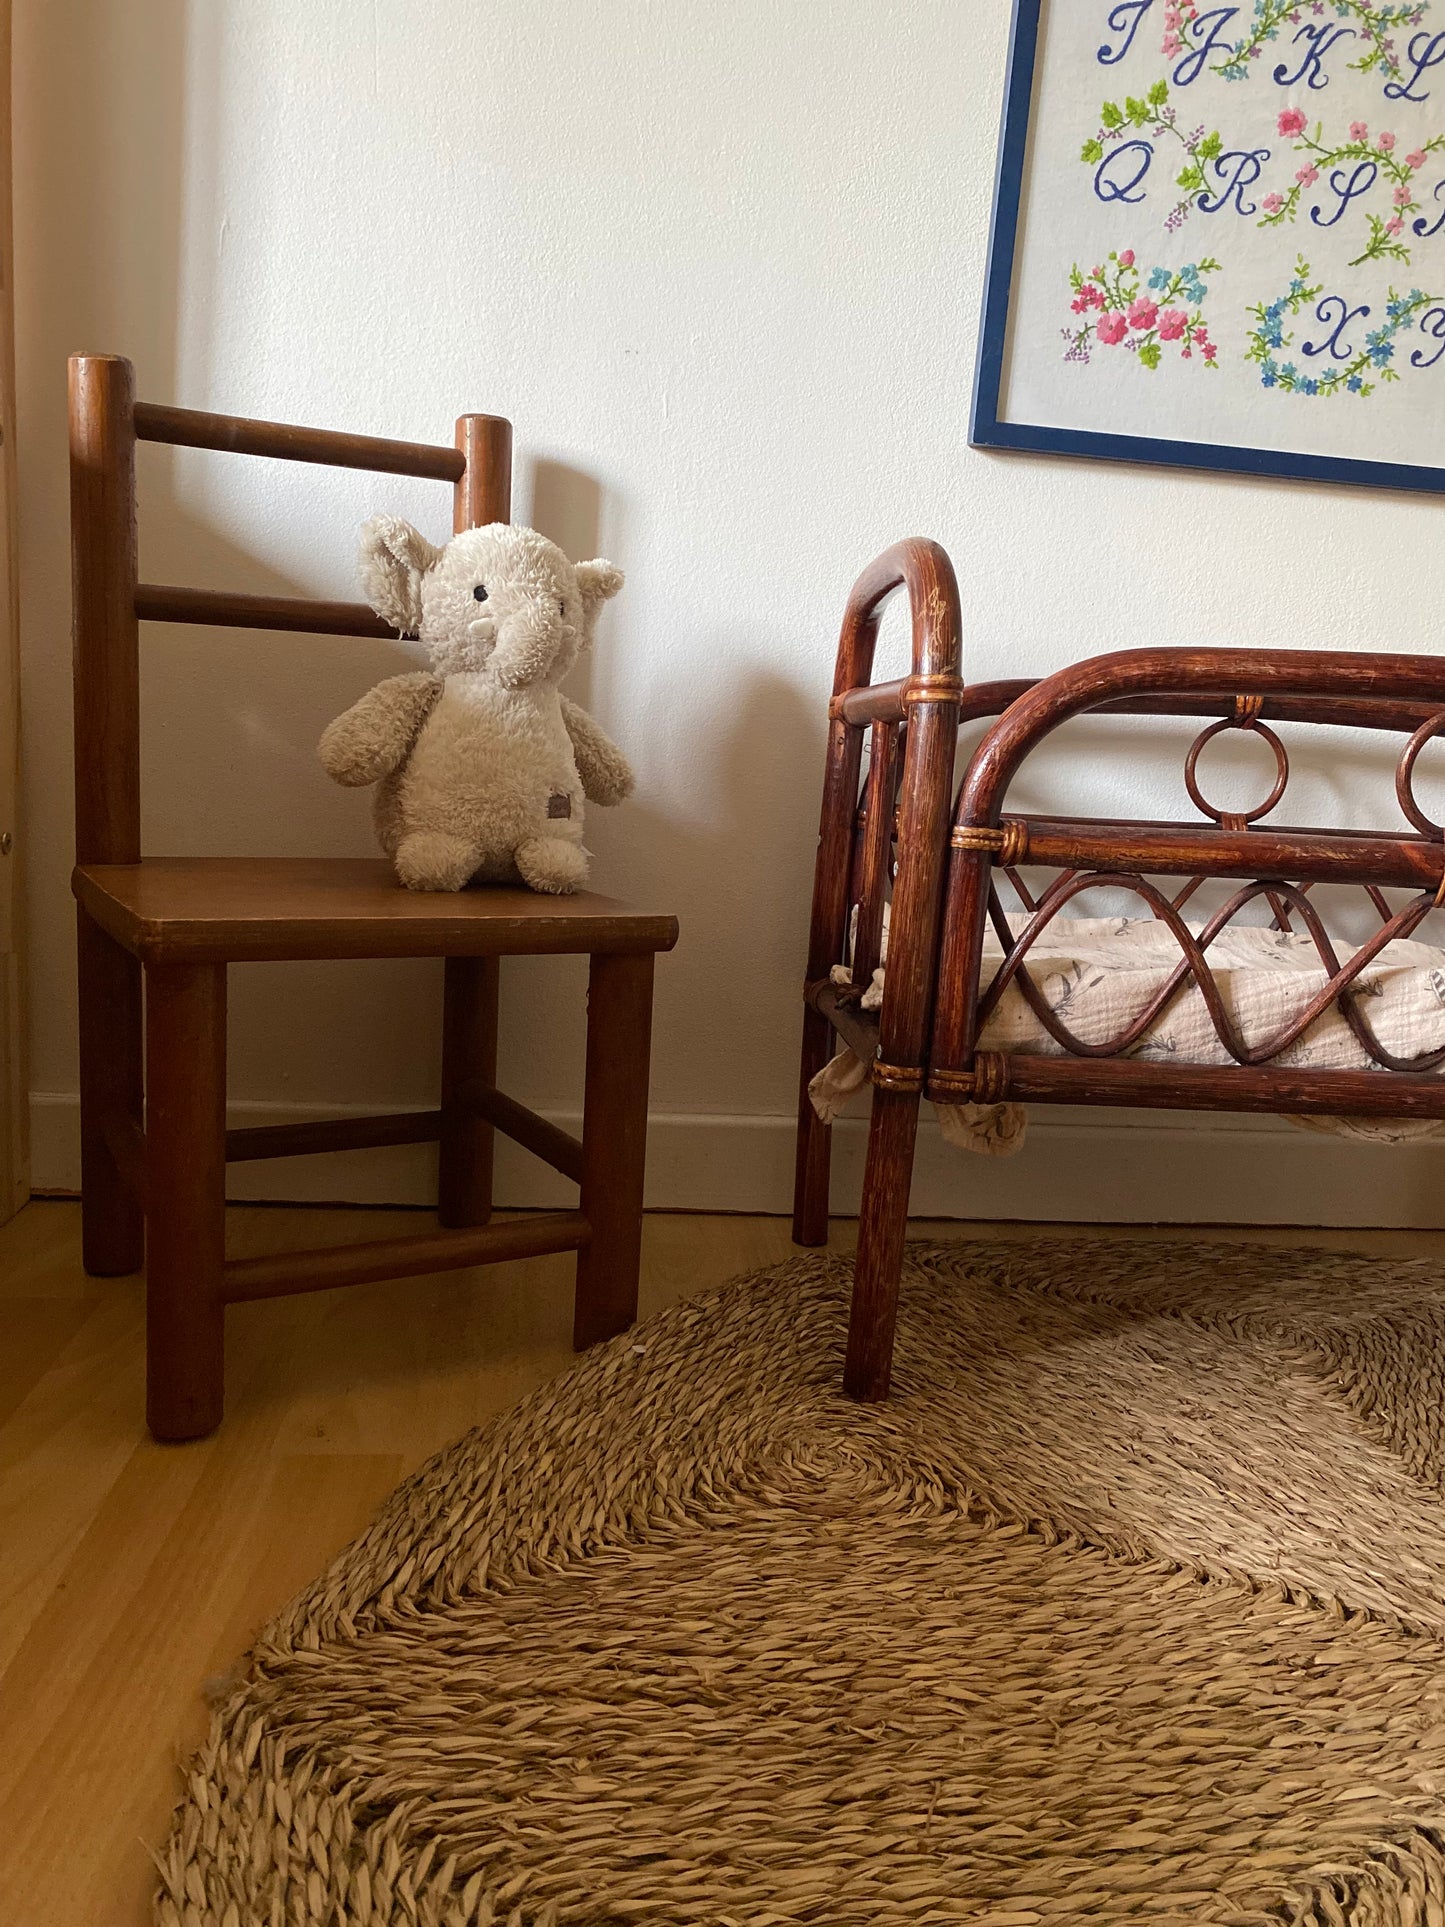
x,y
606,773
375,736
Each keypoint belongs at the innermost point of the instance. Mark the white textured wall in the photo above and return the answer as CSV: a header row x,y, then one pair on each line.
x,y
721,265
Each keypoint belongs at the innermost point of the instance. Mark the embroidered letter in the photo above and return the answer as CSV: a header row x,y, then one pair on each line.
x,y
1249,164
1336,314
1192,65
1361,180
1320,40
1423,228
1432,323
1115,182
1427,50
1124,19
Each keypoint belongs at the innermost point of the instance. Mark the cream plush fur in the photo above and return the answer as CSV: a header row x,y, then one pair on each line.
x,y
481,764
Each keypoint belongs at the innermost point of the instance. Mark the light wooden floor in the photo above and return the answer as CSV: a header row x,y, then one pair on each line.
x,y
131,1572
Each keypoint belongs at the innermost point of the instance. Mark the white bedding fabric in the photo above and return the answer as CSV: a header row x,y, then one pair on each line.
x,y
1096,973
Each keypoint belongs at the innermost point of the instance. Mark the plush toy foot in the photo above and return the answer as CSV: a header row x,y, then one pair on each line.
x,y
547,863
429,860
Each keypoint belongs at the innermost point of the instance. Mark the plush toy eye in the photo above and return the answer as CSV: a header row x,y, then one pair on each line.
x,y
480,592
561,608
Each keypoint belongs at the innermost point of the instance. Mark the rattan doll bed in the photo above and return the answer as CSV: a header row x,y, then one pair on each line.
x,y
904,838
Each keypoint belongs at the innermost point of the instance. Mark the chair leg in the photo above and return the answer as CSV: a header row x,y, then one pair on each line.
x,y
882,1226
112,1217
614,1144
815,1140
469,1055
186,1197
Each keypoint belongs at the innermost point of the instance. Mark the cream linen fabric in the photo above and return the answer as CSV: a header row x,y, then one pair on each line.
x,y
1095,973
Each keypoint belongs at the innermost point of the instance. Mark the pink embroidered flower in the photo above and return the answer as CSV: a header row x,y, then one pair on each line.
x,y
1307,176
1417,159
1171,45
1172,324
1292,121
1272,203
1112,329
1394,227
1126,259
1402,197
1143,312
1386,143
1359,130
1098,274
1208,350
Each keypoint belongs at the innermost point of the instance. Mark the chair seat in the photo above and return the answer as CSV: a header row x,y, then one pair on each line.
x,y
229,909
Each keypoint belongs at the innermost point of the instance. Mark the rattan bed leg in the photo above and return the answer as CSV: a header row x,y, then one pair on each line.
x,y
882,1226
815,1139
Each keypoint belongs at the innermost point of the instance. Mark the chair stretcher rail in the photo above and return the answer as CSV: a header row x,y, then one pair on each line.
x,y
542,1138
331,1134
320,1269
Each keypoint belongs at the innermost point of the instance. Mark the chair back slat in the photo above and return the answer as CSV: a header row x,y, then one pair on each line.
x,y
109,602
235,435
224,609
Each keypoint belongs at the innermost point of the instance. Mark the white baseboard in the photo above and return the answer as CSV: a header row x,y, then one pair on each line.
x,y
1078,1166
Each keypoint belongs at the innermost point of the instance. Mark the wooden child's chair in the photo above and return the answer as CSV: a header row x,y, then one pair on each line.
x,y
162,930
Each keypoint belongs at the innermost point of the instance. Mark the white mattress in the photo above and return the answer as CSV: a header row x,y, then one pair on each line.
x,y
1097,973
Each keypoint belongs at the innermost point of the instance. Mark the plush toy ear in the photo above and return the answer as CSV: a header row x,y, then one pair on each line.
x,y
394,558
599,582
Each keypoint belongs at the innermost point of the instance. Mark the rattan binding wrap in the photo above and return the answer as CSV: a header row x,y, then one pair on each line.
x,y
1008,844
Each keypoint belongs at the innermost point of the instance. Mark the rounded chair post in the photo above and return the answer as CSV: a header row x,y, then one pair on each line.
x,y
469,1022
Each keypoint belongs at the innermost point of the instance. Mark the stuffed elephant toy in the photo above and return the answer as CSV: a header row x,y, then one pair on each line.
x,y
480,763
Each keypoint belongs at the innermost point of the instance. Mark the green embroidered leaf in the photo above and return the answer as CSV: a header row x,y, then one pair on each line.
x,y
1092,151
1112,116
1210,146
1137,110
1190,179
1149,352
1159,93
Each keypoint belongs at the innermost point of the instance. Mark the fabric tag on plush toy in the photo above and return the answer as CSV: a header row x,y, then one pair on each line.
x,y
559,805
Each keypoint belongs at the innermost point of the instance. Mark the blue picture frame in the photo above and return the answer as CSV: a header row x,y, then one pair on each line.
x,y
990,430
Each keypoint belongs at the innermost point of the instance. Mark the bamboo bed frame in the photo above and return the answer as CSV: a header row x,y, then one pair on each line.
x,y
908,838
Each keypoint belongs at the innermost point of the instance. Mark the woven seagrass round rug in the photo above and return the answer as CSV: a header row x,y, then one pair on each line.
x,y
1130,1606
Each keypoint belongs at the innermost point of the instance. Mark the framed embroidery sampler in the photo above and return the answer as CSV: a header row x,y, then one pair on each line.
x,y
1219,238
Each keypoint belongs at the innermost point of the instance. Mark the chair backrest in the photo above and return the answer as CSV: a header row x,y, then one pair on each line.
x,y
106,422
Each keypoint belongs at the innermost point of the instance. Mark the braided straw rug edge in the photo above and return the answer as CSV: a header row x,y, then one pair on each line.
x,y
1129,1605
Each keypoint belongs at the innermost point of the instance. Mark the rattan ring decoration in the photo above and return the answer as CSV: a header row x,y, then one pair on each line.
x,y
1404,781
1229,819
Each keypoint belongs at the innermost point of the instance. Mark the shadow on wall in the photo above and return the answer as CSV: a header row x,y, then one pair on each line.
x,y
87,278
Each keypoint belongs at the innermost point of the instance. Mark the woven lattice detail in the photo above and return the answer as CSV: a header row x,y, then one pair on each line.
x,y
1193,966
